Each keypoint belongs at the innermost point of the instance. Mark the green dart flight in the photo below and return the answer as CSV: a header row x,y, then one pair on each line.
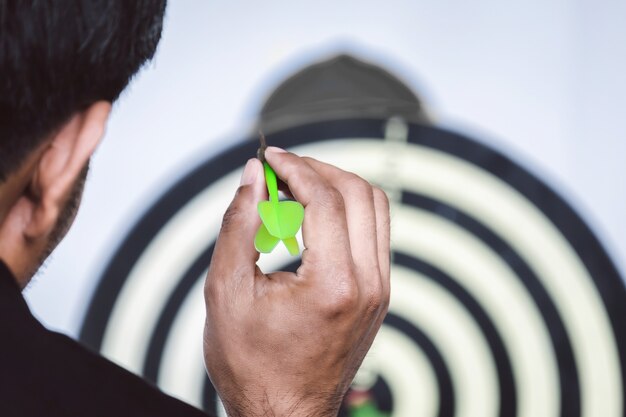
x,y
281,220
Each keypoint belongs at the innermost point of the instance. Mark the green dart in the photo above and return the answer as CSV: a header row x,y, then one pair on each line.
x,y
361,404
367,409
281,220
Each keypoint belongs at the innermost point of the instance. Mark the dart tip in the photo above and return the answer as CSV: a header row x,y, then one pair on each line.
x,y
260,153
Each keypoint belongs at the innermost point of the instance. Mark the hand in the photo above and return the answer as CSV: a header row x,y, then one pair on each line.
x,y
285,344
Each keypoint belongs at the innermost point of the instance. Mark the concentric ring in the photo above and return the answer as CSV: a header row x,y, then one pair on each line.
x,y
493,247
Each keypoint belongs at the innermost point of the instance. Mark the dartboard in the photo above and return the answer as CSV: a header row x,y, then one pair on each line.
x,y
503,301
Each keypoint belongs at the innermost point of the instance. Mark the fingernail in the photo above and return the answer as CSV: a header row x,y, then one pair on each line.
x,y
274,149
249,172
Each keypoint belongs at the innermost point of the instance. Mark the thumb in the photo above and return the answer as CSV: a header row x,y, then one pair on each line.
x,y
234,249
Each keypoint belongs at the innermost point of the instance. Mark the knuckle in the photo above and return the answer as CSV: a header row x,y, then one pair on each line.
x,y
385,296
212,291
374,297
235,210
386,300
344,298
357,185
308,159
342,303
381,197
330,198
381,203
290,164
230,217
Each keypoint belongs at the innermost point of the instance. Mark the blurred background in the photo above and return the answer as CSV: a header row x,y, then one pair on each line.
x,y
540,82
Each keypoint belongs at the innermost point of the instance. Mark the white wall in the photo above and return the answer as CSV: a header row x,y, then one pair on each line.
x,y
543,81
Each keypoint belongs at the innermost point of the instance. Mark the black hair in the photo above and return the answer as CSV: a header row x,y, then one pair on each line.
x,y
59,56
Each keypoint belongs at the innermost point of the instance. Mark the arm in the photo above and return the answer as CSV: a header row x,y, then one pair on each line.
x,y
286,344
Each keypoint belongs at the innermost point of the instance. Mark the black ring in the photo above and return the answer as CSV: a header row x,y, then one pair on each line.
x,y
568,375
603,272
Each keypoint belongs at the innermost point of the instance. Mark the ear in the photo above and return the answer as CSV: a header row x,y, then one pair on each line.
x,y
60,166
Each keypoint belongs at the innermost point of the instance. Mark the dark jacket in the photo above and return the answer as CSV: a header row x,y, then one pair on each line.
x,y
47,374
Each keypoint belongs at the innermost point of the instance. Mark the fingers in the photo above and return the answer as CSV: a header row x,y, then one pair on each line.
x,y
383,233
234,252
346,219
325,230
360,213
367,213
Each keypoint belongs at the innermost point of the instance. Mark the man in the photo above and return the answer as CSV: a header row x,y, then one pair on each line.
x,y
281,344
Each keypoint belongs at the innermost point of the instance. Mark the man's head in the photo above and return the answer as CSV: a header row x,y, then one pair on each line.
x,y
62,64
